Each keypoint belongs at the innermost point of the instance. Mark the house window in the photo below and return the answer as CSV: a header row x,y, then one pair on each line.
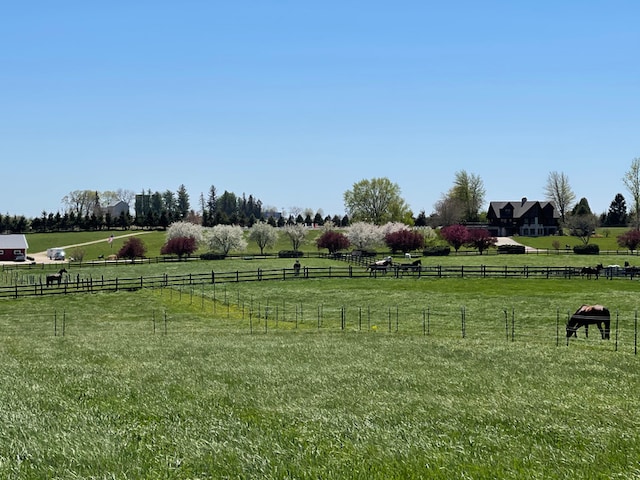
x,y
1,252
17,252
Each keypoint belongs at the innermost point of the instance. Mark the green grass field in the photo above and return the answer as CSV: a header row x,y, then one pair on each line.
x,y
327,378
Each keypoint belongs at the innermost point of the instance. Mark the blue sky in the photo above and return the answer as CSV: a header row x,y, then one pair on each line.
x,y
294,102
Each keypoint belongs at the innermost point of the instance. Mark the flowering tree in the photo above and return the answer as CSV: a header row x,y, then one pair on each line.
x,y
264,235
297,233
455,235
481,239
185,229
363,235
630,239
224,238
333,241
404,240
132,249
179,246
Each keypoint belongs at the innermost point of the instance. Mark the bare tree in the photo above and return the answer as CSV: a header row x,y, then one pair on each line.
x,y
631,180
559,192
449,211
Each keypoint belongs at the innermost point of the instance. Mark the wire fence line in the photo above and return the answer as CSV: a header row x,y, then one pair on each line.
x,y
263,316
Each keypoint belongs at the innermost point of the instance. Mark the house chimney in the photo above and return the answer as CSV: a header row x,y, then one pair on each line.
x,y
524,200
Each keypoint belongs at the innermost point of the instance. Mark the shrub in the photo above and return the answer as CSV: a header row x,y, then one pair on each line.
x,y
511,249
589,249
290,254
436,251
212,256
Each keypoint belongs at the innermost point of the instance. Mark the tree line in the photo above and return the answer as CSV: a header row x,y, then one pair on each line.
x,y
376,200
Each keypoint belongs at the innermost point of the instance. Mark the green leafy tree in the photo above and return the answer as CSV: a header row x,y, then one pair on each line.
x,y
617,214
377,201
183,202
468,189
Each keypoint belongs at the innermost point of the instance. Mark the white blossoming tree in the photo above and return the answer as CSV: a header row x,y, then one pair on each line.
x,y
264,235
185,230
363,235
296,233
224,238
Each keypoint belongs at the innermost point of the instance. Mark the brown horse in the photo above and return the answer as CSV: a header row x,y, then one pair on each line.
x,y
410,267
55,277
588,271
589,315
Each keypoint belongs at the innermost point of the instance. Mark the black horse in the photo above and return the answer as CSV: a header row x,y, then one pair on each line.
x,y
590,315
588,271
55,277
410,267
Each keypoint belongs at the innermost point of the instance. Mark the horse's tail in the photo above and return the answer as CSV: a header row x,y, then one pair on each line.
x,y
607,323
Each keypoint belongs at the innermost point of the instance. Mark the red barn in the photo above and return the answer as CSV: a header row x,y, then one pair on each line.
x,y
13,248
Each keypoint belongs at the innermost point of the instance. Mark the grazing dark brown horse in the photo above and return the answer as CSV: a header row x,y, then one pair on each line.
x,y
590,315
588,271
55,277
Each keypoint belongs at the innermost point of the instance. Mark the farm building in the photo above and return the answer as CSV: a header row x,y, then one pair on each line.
x,y
117,208
13,247
524,217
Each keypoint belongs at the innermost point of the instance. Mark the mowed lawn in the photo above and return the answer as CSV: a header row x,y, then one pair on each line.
x,y
331,378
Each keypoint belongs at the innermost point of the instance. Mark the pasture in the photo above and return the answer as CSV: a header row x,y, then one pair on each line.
x,y
319,378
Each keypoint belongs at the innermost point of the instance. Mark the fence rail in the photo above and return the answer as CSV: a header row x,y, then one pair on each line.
x,y
77,284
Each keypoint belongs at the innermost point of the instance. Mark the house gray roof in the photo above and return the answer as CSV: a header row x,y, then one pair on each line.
x,y
521,207
13,241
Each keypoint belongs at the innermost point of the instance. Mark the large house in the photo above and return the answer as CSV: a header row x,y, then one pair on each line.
x,y
524,217
13,247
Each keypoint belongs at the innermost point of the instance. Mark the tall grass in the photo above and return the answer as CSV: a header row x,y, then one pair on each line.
x,y
167,384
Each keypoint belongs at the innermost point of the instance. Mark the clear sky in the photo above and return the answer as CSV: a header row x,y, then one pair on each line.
x,y
295,101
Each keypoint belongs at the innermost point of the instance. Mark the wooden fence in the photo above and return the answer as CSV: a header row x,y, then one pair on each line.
x,y
77,284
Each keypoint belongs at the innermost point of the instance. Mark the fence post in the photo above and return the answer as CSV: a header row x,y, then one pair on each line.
x,y
617,318
557,327
464,326
635,334
513,324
